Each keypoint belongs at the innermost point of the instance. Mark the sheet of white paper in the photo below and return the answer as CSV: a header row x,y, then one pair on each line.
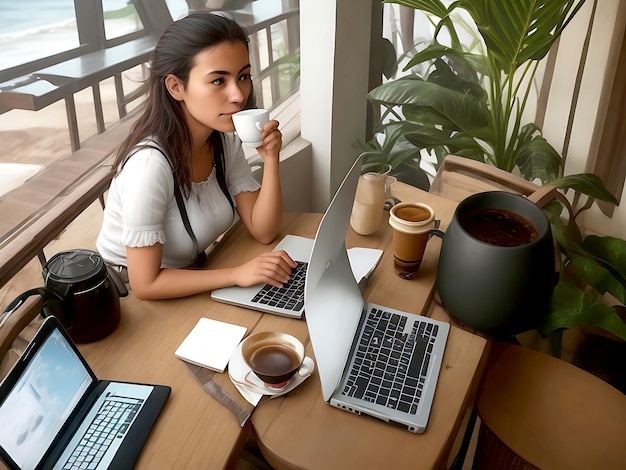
x,y
363,261
211,343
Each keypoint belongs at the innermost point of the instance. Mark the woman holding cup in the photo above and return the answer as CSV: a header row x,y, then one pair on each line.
x,y
184,141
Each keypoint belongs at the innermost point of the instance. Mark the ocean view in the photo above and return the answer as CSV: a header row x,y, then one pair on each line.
x,y
32,29
17,17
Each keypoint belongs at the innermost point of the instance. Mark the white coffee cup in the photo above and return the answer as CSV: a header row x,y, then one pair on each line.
x,y
249,124
275,357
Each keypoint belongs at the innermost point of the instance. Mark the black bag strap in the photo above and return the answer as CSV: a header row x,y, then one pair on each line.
x,y
199,257
197,260
220,165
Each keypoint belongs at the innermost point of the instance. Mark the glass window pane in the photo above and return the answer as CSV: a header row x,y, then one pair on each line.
x,y
177,8
25,36
279,40
120,18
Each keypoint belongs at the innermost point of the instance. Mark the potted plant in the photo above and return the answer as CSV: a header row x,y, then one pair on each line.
x,y
467,98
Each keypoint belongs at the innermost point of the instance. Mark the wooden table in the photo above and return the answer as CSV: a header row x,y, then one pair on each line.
x,y
193,430
298,430
301,431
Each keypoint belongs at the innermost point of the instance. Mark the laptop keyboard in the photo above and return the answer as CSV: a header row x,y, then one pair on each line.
x,y
288,297
390,366
112,421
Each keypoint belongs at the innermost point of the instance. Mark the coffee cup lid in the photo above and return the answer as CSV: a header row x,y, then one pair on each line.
x,y
408,226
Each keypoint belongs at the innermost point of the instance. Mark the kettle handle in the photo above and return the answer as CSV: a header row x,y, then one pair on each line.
x,y
122,290
17,302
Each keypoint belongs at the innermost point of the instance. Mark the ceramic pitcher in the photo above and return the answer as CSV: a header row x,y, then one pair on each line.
x,y
369,201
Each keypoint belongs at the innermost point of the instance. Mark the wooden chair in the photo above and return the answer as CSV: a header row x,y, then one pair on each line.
x,y
459,177
539,412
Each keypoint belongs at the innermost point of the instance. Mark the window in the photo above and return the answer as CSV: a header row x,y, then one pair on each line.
x,y
25,37
177,8
120,18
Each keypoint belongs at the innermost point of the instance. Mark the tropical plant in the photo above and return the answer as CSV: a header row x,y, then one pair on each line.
x,y
468,98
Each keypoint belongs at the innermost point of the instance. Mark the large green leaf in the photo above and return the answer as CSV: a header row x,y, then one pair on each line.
x,y
394,148
610,250
586,183
438,9
535,157
426,137
390,64
567,235
598,276
466,65
516,31
462,109
572,307
425,116
444,76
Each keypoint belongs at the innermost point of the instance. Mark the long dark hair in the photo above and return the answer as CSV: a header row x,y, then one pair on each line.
x,y
163,117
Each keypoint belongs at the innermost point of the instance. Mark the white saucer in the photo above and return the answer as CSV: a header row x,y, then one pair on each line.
x,y
250,386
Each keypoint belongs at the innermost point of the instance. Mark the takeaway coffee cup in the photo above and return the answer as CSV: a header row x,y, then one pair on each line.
x,y
411,223
249,124
275,357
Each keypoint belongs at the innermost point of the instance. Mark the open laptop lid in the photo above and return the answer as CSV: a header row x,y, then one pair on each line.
x,y
39,395
332,299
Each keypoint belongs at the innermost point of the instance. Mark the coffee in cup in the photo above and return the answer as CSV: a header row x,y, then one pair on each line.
x,y
500,227
275,357
249,124
411,223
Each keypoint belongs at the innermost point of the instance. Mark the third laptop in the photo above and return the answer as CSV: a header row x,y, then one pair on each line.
x,y
371,359
56,414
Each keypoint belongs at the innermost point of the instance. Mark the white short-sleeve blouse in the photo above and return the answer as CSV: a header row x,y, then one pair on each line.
x,y
141,209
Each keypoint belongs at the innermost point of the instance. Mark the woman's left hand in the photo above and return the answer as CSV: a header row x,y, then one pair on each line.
x,y
272,141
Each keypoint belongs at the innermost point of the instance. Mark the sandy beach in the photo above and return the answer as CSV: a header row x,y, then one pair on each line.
x,y
33,140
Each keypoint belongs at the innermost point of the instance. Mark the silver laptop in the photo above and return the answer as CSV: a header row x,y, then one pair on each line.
x,y
62,417
371,359
287,300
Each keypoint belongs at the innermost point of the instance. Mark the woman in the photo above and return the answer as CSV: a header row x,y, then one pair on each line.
x,y
199,77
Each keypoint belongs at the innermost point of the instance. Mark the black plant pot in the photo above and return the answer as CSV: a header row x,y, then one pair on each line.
x,y
500,290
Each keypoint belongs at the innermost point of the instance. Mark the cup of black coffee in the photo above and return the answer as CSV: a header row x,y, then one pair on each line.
x,y
275,357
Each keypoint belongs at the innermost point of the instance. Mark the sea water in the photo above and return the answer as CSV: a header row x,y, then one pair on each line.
x,y
34,29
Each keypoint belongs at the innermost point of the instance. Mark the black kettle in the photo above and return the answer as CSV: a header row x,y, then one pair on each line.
x,y
82,292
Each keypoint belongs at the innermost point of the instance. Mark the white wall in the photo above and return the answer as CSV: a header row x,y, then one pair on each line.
x,y
334,43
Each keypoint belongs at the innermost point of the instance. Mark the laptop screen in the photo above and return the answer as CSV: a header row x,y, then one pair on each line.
x,y
42,398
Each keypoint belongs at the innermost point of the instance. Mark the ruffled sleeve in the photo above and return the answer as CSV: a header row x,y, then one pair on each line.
x,y
146,191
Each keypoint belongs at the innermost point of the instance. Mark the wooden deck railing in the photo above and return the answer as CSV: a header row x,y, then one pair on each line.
x,y
36,212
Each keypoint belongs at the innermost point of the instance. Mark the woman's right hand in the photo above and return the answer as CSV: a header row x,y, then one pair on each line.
x,y
272,268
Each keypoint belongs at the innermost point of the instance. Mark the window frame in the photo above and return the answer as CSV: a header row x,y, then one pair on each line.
x,y
91,35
